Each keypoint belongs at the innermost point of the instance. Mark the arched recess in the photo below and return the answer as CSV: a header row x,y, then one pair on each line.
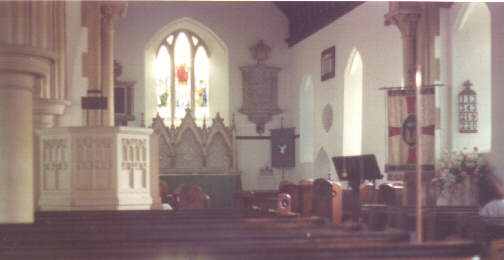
x,y
306,122
322,167
352,105
218,63
471,60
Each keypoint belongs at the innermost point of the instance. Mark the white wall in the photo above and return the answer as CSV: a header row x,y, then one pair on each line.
x,y
470,60
381,51
239,25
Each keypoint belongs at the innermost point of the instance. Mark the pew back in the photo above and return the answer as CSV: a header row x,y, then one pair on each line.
x,y
327,200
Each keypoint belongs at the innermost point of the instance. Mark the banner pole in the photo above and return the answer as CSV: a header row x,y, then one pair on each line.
x,y
419,192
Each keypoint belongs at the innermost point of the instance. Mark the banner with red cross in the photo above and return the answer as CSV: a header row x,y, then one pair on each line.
x,y
402,135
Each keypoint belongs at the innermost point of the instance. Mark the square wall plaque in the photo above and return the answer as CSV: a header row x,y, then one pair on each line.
x,y
327,63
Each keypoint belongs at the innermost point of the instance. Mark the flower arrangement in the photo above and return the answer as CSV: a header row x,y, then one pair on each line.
x,y
456,166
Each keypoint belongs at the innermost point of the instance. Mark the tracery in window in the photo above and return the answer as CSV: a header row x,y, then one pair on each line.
x,y
182,81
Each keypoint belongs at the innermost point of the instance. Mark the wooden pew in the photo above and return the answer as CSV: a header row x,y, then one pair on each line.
x,y
327,200
305,197
439,222
309,250
280,204
292,190
301,196
270,200
235,248
390,194
171,230
367,194
190,196
204,238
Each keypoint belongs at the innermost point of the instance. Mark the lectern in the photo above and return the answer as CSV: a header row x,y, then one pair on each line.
x,y
356,169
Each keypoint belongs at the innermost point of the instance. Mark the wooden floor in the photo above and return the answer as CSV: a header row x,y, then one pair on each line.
x,y
208,234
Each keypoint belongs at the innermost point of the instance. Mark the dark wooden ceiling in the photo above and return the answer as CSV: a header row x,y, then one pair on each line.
x,y
307,17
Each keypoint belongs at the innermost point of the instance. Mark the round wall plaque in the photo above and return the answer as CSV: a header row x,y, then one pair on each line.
x,y
327,117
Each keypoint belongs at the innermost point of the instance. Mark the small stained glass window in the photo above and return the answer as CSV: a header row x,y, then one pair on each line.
x,y
182,74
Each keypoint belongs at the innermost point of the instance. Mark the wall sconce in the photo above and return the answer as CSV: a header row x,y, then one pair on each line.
x,y
468,109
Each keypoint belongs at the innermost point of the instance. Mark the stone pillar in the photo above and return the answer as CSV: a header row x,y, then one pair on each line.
x,y
496,11
111,12
406,16
32,48
16,147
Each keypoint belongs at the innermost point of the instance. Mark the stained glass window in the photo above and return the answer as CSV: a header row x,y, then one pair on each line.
x,y
182,74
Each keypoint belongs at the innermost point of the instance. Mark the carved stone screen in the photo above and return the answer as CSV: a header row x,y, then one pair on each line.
x,y
190,149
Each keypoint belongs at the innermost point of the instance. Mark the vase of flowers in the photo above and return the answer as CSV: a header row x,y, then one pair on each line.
x,y
457,178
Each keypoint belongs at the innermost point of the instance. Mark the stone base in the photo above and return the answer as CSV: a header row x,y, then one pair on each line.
x,y
52,202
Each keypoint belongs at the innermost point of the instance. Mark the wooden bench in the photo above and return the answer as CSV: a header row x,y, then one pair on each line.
x,y
439,222
189,196
206,234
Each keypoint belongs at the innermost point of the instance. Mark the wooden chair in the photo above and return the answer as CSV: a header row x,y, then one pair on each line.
x,y
390,194
285,182
293,190
367,193
163,191
327,200
190,196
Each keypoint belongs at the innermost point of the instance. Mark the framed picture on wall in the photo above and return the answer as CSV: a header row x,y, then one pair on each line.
x,y
327,63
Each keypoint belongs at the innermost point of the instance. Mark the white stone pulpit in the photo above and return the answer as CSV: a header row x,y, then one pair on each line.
x,y
97,168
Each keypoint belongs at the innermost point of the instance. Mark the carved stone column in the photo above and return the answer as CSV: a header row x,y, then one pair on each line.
x,y
46,111
111,12
406,16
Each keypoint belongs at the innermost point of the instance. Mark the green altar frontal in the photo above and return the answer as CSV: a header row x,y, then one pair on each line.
x,y
220,187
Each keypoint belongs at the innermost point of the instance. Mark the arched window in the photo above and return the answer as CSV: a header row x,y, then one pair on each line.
x,y
306,123
352,110
182,76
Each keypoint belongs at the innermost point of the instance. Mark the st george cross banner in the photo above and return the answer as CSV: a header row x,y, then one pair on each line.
x,y
402,137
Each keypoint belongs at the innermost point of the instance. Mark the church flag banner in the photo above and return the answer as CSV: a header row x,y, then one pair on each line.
x,y
402,135
283,148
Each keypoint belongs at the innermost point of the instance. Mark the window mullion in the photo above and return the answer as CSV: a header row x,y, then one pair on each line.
x,y
193,77
172,81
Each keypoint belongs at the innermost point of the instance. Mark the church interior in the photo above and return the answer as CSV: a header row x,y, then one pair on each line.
x,y
251,130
